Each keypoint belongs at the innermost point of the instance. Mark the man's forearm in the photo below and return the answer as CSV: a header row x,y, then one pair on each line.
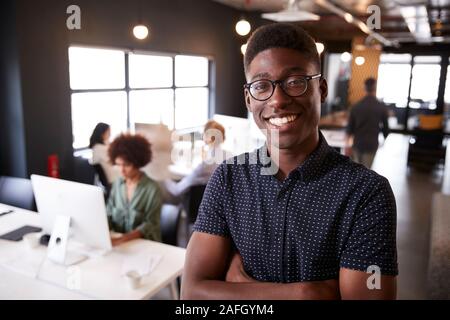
x,y
217,290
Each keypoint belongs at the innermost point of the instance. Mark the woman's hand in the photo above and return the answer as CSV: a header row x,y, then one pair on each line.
x,y
116,241
236,272
135,234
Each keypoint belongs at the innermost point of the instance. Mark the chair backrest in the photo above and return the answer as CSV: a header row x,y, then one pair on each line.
x,y
192,200
101,175
430,122
170,221
17,192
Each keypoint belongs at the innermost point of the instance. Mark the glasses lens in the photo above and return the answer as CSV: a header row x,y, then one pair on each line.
x,y
295,86
261,90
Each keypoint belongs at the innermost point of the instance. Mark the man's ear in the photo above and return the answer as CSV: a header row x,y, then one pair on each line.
x,y
323,90
247,100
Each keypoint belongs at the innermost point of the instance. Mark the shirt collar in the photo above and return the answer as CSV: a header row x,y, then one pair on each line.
x,y
312,164
314,161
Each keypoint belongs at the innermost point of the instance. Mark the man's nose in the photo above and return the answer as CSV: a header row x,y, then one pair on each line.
x,y
279,98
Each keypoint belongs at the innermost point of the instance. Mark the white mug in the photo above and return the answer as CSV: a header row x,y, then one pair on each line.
x,y
133,279
32,239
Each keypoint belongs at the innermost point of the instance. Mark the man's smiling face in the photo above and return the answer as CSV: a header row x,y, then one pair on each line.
x,y
295,118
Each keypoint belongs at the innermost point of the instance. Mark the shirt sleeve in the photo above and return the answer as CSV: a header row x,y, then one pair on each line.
x,y
372,240
199,176
211,214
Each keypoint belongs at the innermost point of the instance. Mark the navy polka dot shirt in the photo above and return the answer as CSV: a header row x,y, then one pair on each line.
x,y
329,213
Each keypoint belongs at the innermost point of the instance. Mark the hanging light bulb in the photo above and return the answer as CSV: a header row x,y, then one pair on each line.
x,y
360,60
243,27
244,48
346,56
140,31
320,47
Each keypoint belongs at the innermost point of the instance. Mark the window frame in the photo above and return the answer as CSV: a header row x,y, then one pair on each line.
x,y
127,89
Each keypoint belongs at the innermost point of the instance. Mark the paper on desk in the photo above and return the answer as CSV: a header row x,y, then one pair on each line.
x,y
142,263
26,264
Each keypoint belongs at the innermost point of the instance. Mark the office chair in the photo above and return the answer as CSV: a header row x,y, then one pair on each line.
x,y
192,200
170,221
101,180
426,149
17,192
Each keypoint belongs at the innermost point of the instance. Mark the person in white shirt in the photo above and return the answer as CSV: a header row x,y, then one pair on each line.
x,y
213,136
99,143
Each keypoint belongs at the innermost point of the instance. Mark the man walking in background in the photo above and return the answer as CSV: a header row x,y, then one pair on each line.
x,y
367,118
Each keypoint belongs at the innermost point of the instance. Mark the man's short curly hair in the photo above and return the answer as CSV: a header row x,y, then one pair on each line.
x,y
281,35
134,149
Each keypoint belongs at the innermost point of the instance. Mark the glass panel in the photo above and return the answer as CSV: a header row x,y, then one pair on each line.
x,y
191,71
427,59
447,101
395,58
147,71
96,68
393,85
152,106
424,88
90,108
191,107
337,75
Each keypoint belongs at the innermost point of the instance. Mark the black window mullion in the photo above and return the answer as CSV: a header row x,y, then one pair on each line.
x,y
127,88
173,89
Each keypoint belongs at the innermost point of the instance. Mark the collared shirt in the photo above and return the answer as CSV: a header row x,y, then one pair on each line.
x,y
367,118
329,213
141,213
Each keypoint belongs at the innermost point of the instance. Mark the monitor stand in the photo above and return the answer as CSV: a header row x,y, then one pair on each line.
x,y
57,246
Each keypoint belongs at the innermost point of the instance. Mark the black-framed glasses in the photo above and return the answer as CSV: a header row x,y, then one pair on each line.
x,y
293,86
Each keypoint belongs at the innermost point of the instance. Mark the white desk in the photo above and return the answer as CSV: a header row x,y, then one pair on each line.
x,y
95,278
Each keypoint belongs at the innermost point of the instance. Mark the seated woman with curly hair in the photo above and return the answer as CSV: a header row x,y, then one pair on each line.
x,y
134,205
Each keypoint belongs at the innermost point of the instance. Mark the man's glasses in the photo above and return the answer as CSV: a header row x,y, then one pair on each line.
x,y
293,86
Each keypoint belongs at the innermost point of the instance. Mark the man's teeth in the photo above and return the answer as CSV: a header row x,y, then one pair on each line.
x,y
280,121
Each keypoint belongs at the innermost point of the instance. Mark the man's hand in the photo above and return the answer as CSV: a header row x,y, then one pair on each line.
x,y
236,272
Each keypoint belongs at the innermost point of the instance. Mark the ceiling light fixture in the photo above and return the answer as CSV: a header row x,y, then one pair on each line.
x,y
320,47
291,13
140,32
346,56
243,27
360,60
244,48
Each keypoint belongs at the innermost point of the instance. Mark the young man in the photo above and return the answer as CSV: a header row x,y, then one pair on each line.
x,y
314,228
367,118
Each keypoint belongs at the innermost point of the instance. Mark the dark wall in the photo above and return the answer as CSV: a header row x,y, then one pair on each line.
x,y
12,137
201,27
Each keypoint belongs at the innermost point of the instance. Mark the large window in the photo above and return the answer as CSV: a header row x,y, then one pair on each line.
x,y
122,89
393,79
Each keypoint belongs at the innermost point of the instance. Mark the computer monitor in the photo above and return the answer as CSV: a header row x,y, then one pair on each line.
x,y
83,203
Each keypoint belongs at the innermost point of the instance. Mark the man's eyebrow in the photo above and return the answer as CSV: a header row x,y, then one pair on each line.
x,y
296,69
266,75
262,75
